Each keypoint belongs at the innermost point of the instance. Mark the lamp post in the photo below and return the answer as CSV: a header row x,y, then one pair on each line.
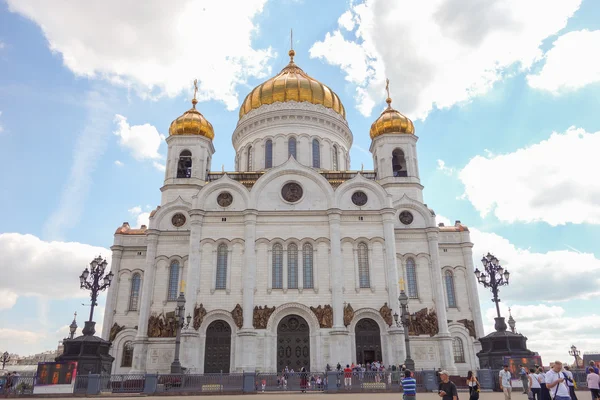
x,y
73,327
493,276
95,281
405,319
181,323
574,353
5,358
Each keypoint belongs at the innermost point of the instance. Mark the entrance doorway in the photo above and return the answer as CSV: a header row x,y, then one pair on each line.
x,y
217,350
368,341
293,343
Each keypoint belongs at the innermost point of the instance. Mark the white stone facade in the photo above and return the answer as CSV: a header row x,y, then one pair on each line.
x,y
335,231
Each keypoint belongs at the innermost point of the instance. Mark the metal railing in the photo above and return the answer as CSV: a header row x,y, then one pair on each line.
x,y
124,383
204,383
290,381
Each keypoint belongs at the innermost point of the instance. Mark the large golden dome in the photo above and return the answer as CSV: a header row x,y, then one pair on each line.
x,y
391,121
192,122
292,84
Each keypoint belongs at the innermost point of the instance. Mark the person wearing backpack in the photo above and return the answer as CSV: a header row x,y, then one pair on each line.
x,y
556,382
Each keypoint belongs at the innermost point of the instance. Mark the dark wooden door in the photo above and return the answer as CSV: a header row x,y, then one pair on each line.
x,y
368,341
293,343
217,350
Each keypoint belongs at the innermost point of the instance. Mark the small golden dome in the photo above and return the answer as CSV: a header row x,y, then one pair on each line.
x,y
391,121
192,122
292,84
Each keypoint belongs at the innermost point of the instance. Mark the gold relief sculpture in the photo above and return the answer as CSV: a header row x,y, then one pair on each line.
x,y
261,316
470,325
386,314
238,316
324,315
424,323
199,314
114,331
348,314
162,325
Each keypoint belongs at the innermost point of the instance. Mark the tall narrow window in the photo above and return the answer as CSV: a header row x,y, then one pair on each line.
x,y
221,282
173,281
249,166
292,265
335,158
127,356
459,350
307,266
277,266
269,154
399,163
292,147
363,265
134,295
411,279
450,289
316,150
184,166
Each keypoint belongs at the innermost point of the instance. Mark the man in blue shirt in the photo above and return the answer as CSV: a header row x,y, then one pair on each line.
x,y
409,386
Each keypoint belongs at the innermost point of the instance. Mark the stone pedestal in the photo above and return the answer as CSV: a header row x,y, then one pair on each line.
x,y
189,355
396,348
340,347
90,352
500,344
247,345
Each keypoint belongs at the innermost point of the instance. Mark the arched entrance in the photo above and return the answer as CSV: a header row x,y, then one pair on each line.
x,y
293,343
217,349
368,341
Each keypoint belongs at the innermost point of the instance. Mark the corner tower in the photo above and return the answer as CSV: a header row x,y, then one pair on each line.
x,y
190,150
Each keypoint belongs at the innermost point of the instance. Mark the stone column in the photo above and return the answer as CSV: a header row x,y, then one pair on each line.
x,y
390,259
247,335
472,288
443,337
140,342
113,290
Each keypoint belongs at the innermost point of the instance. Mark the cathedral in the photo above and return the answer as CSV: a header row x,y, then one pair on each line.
x,y
292,259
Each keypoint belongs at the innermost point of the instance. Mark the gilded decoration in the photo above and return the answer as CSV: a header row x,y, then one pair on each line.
x,y
292,84
162,325
199,314
324,315
348,314
390,120
261,316
470,325
424,323
238,316
192,122
386,314
114,331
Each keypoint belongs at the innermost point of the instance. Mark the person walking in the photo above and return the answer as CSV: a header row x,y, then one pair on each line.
x,y
505,383
593,383
570,382
556,382
447,389
409,386
303,380
534,384
473,384
524,378
545,394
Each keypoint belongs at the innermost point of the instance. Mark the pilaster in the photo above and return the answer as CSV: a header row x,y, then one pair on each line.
x,y
113,290
192,283
390,258
337,269
472,289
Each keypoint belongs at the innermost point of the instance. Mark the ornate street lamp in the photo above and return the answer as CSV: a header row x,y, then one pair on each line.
x,y
493,276
405,319
574,353
73,327
5,358
95,281
181,322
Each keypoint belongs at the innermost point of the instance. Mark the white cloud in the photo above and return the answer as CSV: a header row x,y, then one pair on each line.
x,y
142,218
2,45
156,49
438,52
346,21
552,181
143,141
159,166
444,169
57,262
118,163
572,63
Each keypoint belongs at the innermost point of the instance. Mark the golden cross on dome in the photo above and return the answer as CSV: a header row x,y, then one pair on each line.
x,y
387,87
75,315
291,39
401,283
195,88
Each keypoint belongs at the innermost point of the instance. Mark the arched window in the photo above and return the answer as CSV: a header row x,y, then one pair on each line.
x,y
277,266
134,295
292,147
363,265
458,349
316,150
249,166
127,356
184,166
450,289
292,265
335,158
307,266
269,154
173,281
411,279
399,163
221,281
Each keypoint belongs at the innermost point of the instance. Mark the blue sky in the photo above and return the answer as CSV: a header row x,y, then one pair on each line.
x,y
504,101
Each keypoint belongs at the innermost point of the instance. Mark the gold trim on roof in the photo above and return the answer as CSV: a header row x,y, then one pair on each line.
x,y
390,120
192,122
